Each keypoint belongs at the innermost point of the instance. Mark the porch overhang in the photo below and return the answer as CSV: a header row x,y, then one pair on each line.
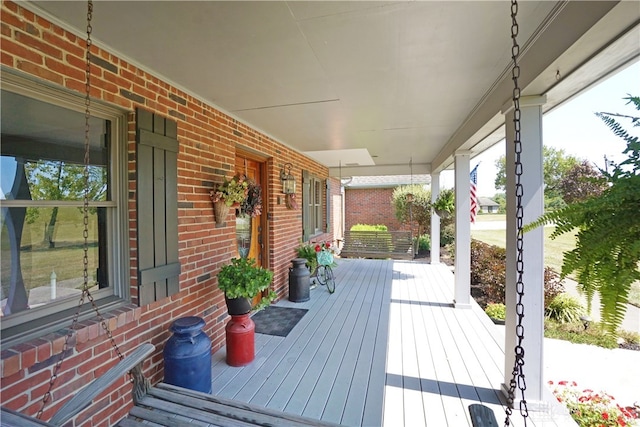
x,y
401,81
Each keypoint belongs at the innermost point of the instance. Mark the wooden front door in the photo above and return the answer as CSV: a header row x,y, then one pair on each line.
x,y
250,237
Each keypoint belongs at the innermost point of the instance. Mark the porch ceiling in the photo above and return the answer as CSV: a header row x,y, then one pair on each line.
x,y
392,82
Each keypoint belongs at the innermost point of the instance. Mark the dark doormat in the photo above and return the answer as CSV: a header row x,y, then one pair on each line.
x,y
277,321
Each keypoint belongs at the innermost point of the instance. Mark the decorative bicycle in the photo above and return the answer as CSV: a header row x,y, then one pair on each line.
x,y
324,273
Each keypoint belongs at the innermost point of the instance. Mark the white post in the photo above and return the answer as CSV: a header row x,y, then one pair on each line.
x,y
52,282
435,220
462,290
533,248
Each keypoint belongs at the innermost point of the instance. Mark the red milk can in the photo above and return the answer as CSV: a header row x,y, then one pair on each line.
x,y
240,334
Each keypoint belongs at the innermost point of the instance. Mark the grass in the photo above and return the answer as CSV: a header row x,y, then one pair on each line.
x,y
553,248
38,260
576,333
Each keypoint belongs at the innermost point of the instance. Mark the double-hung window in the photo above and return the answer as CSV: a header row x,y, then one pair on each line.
x,y
42,190
312,201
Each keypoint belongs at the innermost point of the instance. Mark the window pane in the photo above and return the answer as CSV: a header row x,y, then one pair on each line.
x,y
42,255
43,152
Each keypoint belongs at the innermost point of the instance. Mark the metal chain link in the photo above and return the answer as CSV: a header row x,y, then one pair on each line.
x,y
517,378
85,258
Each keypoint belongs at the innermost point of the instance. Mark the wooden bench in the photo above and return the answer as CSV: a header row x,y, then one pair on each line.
x,y
377,244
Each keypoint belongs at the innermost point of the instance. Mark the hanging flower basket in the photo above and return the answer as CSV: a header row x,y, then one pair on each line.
x,y
220,211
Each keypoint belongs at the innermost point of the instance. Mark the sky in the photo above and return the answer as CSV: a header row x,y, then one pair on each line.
x,y
573,127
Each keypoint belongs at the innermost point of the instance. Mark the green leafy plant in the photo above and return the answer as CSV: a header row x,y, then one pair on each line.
x,y
243,278
424,243
445,203
496,311
368,227
576,333
415,209
592,409
564,309
308,252
231,191
607,250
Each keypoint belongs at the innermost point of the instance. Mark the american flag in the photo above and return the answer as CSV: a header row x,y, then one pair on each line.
x,y
474,196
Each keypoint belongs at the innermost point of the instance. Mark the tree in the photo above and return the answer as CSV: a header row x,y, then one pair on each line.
x,y
581,182
607,252
555,166
56,180
418,211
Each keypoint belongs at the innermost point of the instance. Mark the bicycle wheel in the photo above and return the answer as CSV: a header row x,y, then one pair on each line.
x,y
329,279
320,274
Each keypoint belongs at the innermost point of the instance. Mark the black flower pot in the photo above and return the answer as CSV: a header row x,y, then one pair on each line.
x,y
238,306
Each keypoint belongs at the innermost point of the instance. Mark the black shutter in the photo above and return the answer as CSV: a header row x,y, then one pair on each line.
x,y
157,207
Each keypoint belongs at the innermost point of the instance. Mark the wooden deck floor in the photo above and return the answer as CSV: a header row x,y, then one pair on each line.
x,y
387,348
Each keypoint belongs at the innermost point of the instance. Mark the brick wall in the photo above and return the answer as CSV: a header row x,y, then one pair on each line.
x,y
370,206
208,141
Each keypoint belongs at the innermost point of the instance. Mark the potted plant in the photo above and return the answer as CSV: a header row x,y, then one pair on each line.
x,y
497,312
308,252
241,281
229,193
445,203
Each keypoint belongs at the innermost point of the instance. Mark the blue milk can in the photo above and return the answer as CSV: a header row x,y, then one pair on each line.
x,y
187,355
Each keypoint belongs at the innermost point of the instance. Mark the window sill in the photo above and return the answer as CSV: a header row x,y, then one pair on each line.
x,y
35,353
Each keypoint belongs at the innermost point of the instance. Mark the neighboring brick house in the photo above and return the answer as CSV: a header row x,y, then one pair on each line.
x,y
162,150
368,200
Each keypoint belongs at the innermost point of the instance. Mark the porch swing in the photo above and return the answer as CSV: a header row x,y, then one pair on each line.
x,y
481,415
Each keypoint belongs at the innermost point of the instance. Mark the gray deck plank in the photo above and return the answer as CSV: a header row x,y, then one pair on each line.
x,y
312,393
354,332
360,382
388,348
313,360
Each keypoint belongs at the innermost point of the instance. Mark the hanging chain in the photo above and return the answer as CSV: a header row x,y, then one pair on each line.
x,y
85,258
517,378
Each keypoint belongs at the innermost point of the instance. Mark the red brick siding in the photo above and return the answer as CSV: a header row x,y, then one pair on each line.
x,y
208,139
370,206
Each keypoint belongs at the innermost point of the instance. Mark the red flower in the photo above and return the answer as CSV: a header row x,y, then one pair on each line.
x,y
605,416
318,248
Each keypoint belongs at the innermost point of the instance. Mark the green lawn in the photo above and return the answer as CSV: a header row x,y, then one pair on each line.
x,y
553,248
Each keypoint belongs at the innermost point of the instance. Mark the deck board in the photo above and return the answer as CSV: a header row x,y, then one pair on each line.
x,y
387,348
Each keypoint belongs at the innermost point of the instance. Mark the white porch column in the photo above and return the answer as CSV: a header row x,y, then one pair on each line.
x,y
533,248
462,290
435,220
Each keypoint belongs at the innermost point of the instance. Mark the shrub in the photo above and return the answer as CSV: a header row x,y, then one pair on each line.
x,y
496,311
564,309
488,275
488,270
424,243
447,235
553,286
368,227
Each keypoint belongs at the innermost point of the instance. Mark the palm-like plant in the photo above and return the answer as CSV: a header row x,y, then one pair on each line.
x,y
607,250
